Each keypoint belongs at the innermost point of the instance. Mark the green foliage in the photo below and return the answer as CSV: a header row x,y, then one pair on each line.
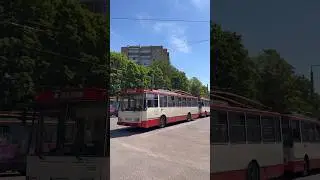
x,y
48,44
160,74
266,77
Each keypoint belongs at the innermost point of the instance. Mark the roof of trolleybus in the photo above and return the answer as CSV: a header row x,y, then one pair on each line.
x,y
158,91
226,107
295,116
71,94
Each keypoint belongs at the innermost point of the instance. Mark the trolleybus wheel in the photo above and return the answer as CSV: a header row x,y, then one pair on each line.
x,y
163,121
306,166
253,172
189,117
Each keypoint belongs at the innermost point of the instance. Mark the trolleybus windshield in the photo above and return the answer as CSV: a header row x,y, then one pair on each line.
x,y
133,102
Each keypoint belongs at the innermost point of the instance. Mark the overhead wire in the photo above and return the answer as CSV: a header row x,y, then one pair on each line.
x,y
161,19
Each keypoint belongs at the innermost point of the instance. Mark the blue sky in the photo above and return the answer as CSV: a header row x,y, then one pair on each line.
x,y
291,27
180,38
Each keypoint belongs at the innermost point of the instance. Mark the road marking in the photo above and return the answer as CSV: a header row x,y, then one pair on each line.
x,y
171,128
183,162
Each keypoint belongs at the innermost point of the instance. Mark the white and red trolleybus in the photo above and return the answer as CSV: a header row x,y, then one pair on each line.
x,y
13,141
15,133
156,107
79,152
249,144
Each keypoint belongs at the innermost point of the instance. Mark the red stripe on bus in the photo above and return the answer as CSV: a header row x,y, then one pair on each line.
x,y
156,122
315,163
298,166
265,173
269,171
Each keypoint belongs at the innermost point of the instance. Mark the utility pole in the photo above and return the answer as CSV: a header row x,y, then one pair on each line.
x,y
312,83
312,79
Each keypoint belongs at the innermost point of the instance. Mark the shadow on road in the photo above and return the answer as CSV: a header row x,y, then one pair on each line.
x,y
129,131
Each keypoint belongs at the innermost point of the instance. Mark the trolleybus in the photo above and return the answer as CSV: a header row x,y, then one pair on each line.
x,y
251,144
13,141
78,152
156,107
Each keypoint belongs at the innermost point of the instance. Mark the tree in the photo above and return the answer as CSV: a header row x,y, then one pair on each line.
x,y
231,64
49,44
179,80
266,77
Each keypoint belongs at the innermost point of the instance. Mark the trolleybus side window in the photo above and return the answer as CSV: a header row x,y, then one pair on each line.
x,y
237,127
170,101
307,131
314,133
194,102
4,134
152,100
179,102
317,132
206,103
277,128
219,127
184,102
286,131
295,128
253,128
188,102
268,128
163,101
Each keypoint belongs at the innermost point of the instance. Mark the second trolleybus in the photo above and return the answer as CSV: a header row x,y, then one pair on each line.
x,y
251,144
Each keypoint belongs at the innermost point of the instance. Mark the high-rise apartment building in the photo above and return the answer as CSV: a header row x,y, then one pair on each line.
x,y
145,55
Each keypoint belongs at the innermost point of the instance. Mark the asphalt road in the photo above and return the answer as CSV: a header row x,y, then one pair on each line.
x,y
178,152
313,177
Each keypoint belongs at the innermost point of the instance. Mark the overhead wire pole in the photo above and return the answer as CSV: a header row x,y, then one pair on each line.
x,y
312,79
312,83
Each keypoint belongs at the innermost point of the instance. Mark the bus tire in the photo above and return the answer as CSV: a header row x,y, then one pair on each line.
x,y
306,166
205,114
163,121
253,171
189,117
